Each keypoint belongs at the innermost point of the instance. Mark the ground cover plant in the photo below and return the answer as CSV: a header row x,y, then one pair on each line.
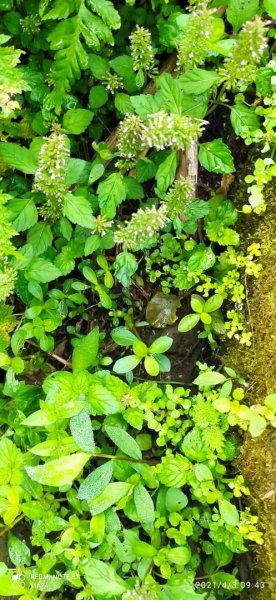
x,y
123,126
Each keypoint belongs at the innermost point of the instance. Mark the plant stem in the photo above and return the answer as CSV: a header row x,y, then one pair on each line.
x,y
8,527
217,101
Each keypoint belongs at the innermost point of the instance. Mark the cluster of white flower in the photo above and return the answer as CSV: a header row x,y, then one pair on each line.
x,y
240,65
50,175
171,131
141,50
141,230
101,225
178,196
193,44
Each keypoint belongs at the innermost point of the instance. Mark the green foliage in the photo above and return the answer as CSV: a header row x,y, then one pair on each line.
x,y
124,485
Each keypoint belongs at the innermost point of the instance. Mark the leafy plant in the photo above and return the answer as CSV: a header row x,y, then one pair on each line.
x,y
154,358
124,487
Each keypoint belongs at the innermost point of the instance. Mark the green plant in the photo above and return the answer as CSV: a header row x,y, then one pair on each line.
x,y
124,487
154,358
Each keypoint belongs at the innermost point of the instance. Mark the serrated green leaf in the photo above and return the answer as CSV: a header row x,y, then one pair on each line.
x,y
215,156
18,157
198,81
240,11
42,270
23,213
78,210
40,237
103,577
244,119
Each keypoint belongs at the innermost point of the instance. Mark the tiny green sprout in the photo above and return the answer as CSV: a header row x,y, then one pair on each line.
x,y
153,356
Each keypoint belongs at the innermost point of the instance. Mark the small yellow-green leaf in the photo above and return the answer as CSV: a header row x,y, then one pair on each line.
x,y
59,472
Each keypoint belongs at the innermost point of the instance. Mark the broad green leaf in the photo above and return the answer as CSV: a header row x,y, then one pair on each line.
x,y
270,402
98,65
145,169
165,174
143,504
152,366
203,473
77,171
111,494
126,364
86,350
197,303
176,500
174,470
101,576
188,322
171,92
98,96
123,103
78,210
97,170
102,401
201,259
270,8
19,552
161,344
23,213
145,105
122,65
209,378
257,425
222,555
123,336
198,81
76,120
195,106
59,472
228,513
42,270
216,157
40,237
18,157
82,431
244,119
213,303
96,482
124,441
240,11
10,587
125,266
180,555
111,192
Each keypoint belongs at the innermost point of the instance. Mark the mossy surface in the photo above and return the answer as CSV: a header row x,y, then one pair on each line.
x,y
257,364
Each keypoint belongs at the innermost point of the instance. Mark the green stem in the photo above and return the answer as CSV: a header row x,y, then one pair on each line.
x,y
217,101
8,527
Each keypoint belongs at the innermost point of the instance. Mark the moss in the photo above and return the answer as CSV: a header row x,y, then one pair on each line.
x,y
257,365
